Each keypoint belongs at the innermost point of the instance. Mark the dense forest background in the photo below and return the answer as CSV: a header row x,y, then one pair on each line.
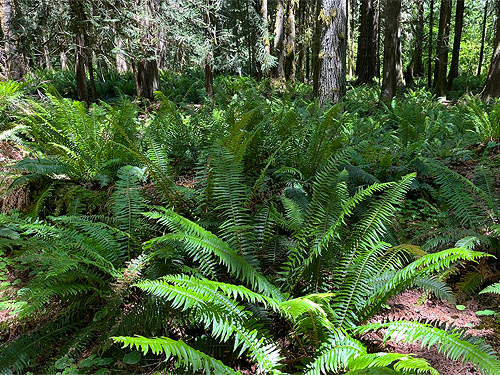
x,y
321,42
249,187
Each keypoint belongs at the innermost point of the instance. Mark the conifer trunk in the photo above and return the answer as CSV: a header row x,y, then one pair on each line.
x,y
492,87
279,51
366,63
14,68
333,51
77,19
391,58
418,66
443,47
290,67
459,23
316,46
483,35
266,44
429,57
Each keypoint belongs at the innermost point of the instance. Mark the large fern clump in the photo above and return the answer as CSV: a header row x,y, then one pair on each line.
x,y
68,140
340,270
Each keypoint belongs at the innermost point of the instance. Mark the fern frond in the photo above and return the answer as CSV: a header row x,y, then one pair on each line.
x,y
451,344
403,363
425,266
185,354
335,355
197,240
225,318
494,288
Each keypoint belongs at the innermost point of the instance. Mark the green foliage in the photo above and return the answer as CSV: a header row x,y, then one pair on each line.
x,y
78,143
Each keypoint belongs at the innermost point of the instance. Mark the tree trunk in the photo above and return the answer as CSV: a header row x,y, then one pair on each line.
x,y
418,66
333,51
301,45
391,58
77,19
290,67
316,46
147,78
279,51
63,58
266,45
211,34
15,68
80,71
366,63
400,81
90,67
209,79
350,39
481,53
459,23
443,47
121,61
492,87
429,58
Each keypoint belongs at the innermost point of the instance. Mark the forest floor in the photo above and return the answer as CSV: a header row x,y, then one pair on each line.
x,y
411,305
10,154
415,305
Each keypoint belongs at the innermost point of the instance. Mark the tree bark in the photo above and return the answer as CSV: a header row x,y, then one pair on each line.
x,y
366,63
483,35
77,19
147,78
391,58
443,43
429,58
80,71
418,66
333,51
279,50
15,67
121,61
316,46
492,87
301,45
290,67
350,38
266,44
459,23
211,33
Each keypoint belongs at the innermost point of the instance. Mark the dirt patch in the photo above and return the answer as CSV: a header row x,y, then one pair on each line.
x,y
16,199
414,305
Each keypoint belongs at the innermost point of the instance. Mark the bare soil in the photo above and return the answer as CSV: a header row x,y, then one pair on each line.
x,y
413,305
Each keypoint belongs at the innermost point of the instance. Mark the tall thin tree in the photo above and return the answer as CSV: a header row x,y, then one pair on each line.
x,y
333,51
366,63
279,50
15,66
443,47
483,36
429,53
391,57
492,87
459,23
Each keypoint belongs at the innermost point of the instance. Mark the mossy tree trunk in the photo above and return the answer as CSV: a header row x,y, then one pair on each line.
x,y
279,50
332,81
290,67
14,59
